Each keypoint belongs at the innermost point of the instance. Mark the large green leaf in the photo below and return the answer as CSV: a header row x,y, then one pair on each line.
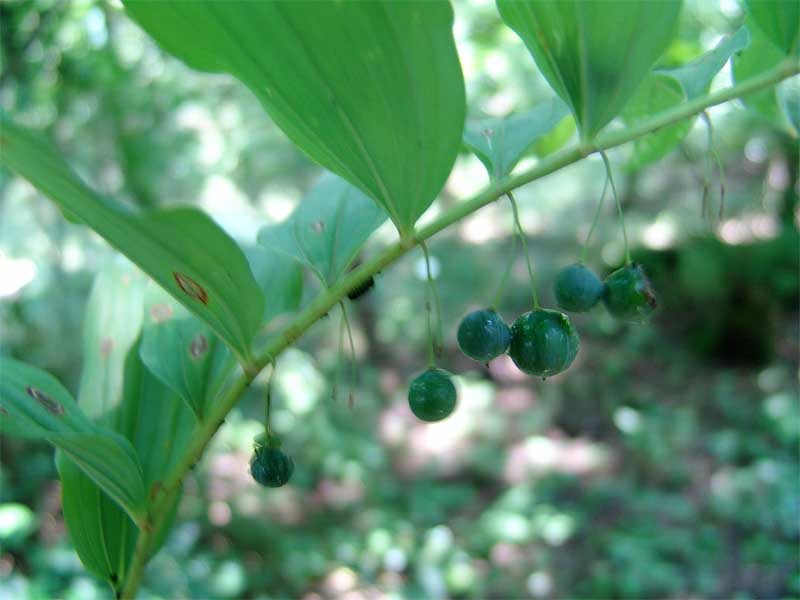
x,y
594,53
34,404
182,249
779,20
156,420
696,76
500,143
760,56
372,91
111,325
102,534
186,356
327,229
658,93
280,278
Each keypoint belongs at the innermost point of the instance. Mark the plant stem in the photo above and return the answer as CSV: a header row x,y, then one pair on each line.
x,y
524,241
712,153
268,405
435,340
323,303
619,207
594,222
353,367
501,286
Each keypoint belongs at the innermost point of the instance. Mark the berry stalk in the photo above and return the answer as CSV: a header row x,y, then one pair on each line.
x,y
628,260
524,242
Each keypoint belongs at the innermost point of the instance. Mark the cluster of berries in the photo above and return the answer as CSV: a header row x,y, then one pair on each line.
x,y
541,342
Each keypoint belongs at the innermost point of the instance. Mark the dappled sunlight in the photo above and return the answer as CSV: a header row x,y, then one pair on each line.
x,y
748,228
468,176
338,494
15,274
230,208
539,455
660,234
516,399
504,369
483,226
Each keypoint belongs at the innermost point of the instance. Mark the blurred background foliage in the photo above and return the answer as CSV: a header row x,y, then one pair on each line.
x,y
664,463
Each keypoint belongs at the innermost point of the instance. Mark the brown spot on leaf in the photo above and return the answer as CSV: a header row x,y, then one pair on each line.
x,y
106,347
318,227
199,346
160,312
154,489
191,287
3,411
54,407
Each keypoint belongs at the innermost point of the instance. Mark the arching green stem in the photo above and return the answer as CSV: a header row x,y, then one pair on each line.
x,y
268,404
594,221
337,374
438,339
353,365
628,260
712,153
524,241
501,286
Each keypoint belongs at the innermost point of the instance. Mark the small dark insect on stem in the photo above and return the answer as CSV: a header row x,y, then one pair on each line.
x,y
361,289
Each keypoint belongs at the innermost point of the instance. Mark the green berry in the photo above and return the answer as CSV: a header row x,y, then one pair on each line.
x,y
483,335
543,342
629,295
432,395
577,288
270,466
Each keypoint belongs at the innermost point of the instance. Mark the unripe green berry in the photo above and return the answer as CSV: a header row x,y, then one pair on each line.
x,y
543,342
432,395
577,288
483,335
270,466
629,295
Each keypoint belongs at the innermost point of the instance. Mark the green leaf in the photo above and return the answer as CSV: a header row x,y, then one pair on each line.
x,y
659,92
156,420
500,143
327,229
182,249
280,279
555,140
779,20
186,356
372,91
102,534
594,53
760,56
696,76
112,323
34,404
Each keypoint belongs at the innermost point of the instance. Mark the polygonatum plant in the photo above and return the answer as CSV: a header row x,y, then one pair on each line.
x,y
374,93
